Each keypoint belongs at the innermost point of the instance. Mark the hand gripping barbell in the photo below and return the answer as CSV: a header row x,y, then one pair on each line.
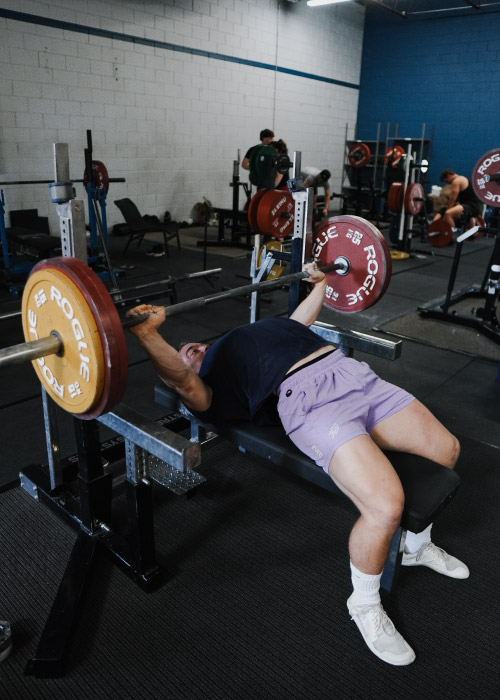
x,y
74,335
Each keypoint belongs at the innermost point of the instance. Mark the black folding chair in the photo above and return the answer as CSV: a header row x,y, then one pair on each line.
x,y
138,226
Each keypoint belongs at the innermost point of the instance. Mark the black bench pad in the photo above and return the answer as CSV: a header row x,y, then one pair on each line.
x,y
31,239
428,486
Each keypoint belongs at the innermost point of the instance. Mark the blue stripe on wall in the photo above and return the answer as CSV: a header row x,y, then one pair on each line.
x,y
94,31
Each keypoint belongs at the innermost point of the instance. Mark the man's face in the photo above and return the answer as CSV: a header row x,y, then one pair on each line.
x,y
267,140
193,353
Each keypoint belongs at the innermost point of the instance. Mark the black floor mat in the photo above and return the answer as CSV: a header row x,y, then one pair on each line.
x,y
257,608
443,334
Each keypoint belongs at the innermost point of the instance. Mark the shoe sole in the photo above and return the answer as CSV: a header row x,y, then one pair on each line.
x,y
447,573
393,662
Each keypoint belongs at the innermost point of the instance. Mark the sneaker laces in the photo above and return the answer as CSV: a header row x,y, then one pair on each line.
x,y
382,623
433,552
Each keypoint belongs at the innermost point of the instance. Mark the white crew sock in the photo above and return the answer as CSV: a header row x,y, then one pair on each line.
x,y
414,540
366,587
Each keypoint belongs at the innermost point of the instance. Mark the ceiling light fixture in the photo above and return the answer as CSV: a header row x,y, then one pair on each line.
x,y
315,3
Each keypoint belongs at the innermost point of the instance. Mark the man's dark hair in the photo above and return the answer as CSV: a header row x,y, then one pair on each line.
x,y
266,134
446,173
325,175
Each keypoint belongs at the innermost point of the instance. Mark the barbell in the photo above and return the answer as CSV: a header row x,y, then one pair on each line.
x,y
99,176
75,337
412,198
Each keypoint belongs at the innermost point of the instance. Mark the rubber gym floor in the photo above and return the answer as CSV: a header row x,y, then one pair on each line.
x,y
254,606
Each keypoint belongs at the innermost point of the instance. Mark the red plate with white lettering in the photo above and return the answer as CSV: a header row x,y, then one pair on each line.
x,y
275,213
359,155
414,198
100,177
393,155
486,178
395,197
252,210
439,233
365,254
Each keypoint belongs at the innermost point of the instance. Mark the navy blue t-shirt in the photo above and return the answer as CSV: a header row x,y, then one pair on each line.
x,y
244,367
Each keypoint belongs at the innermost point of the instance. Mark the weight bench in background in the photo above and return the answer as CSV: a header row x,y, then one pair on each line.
x,y
30,234
138,226
428,486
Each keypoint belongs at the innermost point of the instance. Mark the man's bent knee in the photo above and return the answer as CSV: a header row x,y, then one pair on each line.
x,y
385,513
454,452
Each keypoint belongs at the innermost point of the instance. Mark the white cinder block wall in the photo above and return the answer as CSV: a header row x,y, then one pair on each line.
x,y
169,120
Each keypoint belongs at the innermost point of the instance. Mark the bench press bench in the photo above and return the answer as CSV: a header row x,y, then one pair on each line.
x,y
428,486
29,233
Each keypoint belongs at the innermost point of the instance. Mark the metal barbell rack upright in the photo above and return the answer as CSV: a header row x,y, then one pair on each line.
x,y
71,213
403,230
89,511
302,227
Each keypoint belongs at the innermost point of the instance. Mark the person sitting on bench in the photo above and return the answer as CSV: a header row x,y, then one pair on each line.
x,y
462,201
339,413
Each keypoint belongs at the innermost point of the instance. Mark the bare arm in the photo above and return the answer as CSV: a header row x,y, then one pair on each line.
x,y
308,310
327,201
245,163
193,391
455,191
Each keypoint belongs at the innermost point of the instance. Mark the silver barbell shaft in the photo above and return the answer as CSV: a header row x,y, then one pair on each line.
x,y
51,344
199,302
170,280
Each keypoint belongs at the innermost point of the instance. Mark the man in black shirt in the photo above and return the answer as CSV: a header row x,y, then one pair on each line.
x,y
462,201
339,413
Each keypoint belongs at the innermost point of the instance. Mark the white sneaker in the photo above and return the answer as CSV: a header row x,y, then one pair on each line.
x,y
380,635
438,560
156,252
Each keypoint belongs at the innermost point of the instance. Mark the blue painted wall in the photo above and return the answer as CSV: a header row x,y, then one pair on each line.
x,y
442,71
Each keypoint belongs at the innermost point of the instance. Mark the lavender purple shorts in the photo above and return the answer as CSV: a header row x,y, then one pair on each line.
x,y
333,400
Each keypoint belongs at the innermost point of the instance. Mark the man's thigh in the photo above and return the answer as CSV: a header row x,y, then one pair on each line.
x,y
455,211
416,430
362,471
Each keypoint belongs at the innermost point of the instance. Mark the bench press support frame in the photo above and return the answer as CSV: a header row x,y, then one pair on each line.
x,y
83,496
